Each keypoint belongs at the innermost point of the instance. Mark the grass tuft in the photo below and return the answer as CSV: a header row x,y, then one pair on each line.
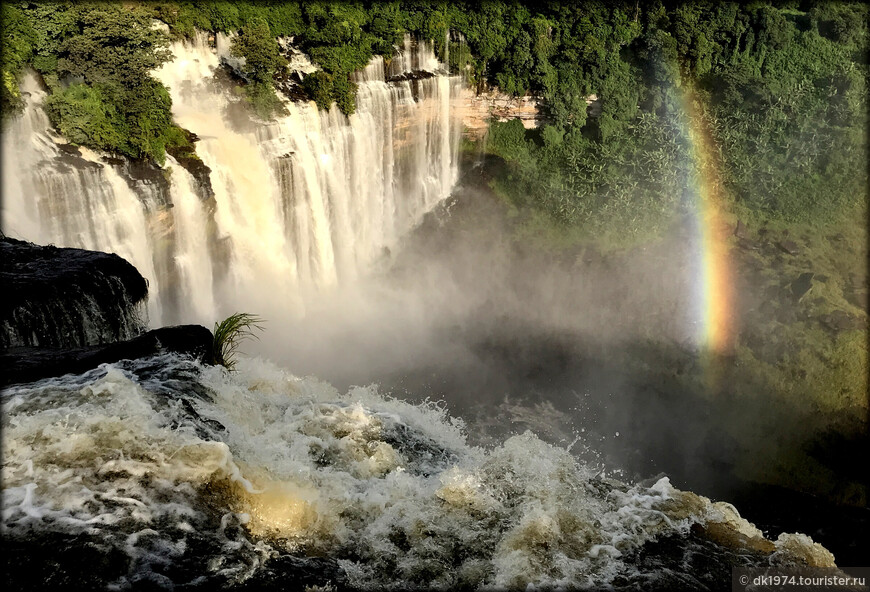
x,y
229,333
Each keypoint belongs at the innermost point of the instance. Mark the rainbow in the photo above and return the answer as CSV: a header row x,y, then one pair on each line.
x,y
715,297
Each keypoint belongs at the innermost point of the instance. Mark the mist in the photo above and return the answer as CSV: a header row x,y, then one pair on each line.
x,y
588,351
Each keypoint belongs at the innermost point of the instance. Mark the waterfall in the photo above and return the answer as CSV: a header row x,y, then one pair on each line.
x,y
300,204
51,196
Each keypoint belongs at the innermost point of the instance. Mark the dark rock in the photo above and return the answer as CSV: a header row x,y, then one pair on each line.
x,y
113,160
288,572
789,247
413,75
200,171
748,244
740,231
802,285
27,364
187,158
57,297
839,321
142,172
69,157
290,86
70,149
56,561
232,67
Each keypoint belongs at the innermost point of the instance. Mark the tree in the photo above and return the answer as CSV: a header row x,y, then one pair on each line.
x,y
256,44
84,116
318,85
112,44
18,38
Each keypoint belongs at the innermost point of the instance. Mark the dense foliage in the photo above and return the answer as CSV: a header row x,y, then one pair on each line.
x,y
256,45
96,60
341,37
781,84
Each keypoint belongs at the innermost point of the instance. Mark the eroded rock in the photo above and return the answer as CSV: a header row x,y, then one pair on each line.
x,y
802,285
58,297
28,364
789,246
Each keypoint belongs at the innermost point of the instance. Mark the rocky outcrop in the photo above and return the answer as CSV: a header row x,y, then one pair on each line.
x,y
187,158
70,310
143,174
801,286
27,364
56,297
478,109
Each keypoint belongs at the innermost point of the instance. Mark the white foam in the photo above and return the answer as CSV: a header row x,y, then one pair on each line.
x,y
390,489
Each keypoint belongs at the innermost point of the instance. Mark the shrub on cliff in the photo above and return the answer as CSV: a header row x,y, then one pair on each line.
x,y
135,122
257,45
112,44
83,115
96,60
318,85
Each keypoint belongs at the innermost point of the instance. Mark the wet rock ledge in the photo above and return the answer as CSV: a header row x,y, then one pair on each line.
x,y
67,297
28,364
70,310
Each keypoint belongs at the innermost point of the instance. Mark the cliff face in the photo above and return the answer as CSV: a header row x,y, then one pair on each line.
x,y
478,109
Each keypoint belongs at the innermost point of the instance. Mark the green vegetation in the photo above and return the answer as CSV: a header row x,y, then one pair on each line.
x,y
341,37
262,59
229,333
96,60
17,50
783,89
785,81
794,356
610,193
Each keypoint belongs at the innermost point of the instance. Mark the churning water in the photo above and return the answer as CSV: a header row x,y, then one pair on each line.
x,y
193,475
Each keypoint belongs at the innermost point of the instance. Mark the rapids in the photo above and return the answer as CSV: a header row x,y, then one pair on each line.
x,y
191,475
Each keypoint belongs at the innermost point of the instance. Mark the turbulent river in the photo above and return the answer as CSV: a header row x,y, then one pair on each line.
x,y
192,476
162,473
